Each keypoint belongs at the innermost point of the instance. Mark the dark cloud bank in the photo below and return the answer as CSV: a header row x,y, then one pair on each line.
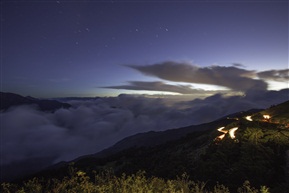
x,y
232,77
92,125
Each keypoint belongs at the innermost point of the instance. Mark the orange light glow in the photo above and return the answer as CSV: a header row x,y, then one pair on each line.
x,y
221,136
221,130
249,118
232,132
266,116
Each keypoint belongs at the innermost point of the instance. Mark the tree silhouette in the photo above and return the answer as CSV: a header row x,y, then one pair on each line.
x,y
278,138
254,135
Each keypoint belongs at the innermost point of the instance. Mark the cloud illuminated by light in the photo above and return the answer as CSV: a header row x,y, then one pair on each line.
x,y
187,78
277,85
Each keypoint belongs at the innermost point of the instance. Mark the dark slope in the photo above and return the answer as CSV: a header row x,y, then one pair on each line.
x,y
151,140
154,138
145,141
139,141
278,113
10,99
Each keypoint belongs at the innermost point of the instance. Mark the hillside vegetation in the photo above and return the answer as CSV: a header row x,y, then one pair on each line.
x,y
278,114
105,182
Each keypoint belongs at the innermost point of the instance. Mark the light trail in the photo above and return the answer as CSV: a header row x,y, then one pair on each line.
x,y
232,132
221,130
221,136
249,118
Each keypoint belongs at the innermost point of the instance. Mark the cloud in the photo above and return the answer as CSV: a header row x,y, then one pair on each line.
x,y
238,65
218,105
230,77
159,86
276,75
92,125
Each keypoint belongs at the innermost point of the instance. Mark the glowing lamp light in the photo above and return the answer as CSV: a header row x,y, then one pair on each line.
x,y
266,116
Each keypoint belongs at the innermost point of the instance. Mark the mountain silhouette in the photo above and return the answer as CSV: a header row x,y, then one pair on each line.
x,y
11,100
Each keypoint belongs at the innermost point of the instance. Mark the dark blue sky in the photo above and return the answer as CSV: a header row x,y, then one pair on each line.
x,y
75,48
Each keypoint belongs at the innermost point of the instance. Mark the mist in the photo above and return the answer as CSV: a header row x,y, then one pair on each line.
x,y
90,126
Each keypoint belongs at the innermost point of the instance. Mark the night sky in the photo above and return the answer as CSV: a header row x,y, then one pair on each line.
x,y
104,48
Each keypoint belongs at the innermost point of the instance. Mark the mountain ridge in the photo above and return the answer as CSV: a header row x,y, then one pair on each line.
x,y
11,100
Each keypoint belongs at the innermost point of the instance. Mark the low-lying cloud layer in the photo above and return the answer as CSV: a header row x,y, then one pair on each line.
x,y
92,125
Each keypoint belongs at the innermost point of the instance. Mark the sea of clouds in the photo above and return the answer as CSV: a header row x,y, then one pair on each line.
x,y
91,125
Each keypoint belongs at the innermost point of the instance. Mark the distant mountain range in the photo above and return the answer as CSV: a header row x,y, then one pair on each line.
x,y
11,100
